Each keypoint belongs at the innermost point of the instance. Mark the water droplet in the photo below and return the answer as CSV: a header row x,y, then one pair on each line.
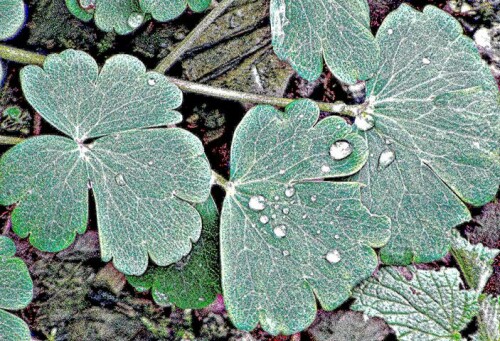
x,y
280,231
120,180
318,232
273,216
333,256
426,61
476,144
277,198
282,171
286,211
87,4
338,208
264,219
386,158
135,20
201,299
257,203
286,253
337,236
325,169
304,216
152,81
340,150
289,192
364,122
390,31
314,198
150,163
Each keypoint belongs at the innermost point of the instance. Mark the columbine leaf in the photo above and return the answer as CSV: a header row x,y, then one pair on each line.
x,y
285,238
167,10
475,261
12,17
306,31
194,282
16,292
435,140
143,181
430,306
488,320
125,16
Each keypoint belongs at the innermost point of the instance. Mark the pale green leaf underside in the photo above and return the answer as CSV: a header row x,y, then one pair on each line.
x,y
125,16
194,282
475,261
12,16
16,292
488,320
274,280
435,106
306,32
428,307
143,181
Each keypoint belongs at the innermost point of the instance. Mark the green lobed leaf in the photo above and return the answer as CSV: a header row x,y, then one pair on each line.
x,y
430,306
306,32
83,12
488,320
12,17
125,16
475,261
16,292
143,180
436,135
167,10
285,237
194,282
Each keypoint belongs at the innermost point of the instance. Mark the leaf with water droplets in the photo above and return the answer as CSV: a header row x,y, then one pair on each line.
x,y
317,238
306,32
430,306
475,261
143,180
194,282
16,292
488,320
435,140
125,16
12,17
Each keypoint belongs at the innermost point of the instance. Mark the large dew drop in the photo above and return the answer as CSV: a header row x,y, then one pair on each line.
x,y
333,256
257,203
386,158
364,122
340,150
120,180
289,192
280,231
135,20
264,219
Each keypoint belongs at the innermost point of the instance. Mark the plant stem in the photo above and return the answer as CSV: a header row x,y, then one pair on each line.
x,y
20,56
26,57
337,107
191,38
220,180
10,140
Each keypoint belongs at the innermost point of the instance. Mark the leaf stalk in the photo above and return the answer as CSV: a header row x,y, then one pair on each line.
x,y
20,56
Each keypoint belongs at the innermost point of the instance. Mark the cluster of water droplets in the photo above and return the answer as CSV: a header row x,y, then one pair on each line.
x,y
87,4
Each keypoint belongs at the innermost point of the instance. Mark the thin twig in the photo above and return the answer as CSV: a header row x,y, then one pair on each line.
x,y
191,38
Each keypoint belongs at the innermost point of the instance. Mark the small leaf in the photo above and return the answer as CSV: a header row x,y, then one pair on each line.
x,y
125,16
475,261
431,306
194,282
284,237
435,139
12,17
167,10
488,320
16,292
143,181
305,32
